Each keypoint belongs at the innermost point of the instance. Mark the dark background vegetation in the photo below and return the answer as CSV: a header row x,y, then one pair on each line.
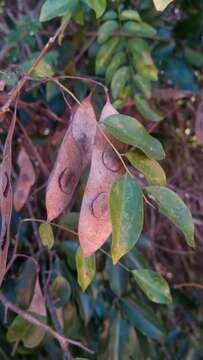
x,y
98,317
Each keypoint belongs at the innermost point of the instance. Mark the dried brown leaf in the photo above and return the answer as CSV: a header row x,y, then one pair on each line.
x,y
73,157
25,180
94,223
6,198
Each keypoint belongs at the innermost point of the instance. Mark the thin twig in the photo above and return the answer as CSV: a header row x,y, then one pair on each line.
x,y
15,92
64,341
189,285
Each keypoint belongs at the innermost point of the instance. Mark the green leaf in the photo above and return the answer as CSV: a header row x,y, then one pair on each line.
x,y
35,335
135,260
86,268
18,329
149,72
70,220
161,4
21,329
26,284
46,234
106,30
127,215
173,207
78,15
142,59
131,131
142,318
85,306
130,15
104,55
43,69
141,28
119,339
151,169
153,285
146,110
110,15
140,47
194,57
119,80
118,278
53,8
143,84
60,291
118,59
98,6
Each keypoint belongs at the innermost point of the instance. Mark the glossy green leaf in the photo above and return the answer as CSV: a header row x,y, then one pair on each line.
x,y
142,59
154,286
106,30
26,284
139,28
151,169
146,110
46,234
104,55
173,207
79,15
149,72
131,131
52,8
60,291
127,215
130,15
86,268
143,84
140,47
161,4
119,80
98,6
142,318
118,59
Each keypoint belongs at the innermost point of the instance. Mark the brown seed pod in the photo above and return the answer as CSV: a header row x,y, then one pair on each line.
x,y
73,157
25,180
95,223
6,198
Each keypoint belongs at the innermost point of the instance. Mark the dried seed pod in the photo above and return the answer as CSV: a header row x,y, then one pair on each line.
x,y
73,157
25,180
6,198
94,223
